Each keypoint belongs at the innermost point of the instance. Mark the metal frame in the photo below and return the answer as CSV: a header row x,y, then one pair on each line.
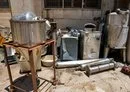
x,y
116,48
31,62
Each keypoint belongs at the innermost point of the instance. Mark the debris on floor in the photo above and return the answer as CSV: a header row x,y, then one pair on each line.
x,y
126,70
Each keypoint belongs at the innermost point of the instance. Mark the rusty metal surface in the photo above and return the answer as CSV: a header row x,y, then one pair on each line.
x,y
14,44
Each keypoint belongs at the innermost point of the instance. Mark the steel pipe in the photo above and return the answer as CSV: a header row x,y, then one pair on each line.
x,y
100,62
95,69
78,63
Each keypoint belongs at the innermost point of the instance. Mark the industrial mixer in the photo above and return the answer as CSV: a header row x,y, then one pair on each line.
x,y
29,32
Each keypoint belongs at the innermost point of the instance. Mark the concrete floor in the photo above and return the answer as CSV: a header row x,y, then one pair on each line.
x,y
74,81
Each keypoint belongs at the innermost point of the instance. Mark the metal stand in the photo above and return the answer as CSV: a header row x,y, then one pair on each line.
x,y
119,48
31,62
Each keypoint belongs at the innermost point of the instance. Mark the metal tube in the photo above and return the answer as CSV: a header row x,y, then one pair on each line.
x,y
90,70
74,63
100,62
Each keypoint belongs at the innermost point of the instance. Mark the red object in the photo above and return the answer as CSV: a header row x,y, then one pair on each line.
x,y
126,70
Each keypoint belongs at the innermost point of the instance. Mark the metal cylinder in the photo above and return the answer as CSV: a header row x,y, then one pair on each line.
x,y
28,32
100,62
75,63
91,70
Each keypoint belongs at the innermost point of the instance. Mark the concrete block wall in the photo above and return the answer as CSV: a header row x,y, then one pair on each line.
x,y
72,17
64,17
20,6
4,19
76,17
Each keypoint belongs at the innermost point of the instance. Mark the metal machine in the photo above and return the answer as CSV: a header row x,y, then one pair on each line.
x,y
118,28
90,43
69,45
28,39
118,31
69,48
29,32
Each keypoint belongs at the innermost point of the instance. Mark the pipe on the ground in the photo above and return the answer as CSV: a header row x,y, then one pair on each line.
x,y
95,69
78,63
100,62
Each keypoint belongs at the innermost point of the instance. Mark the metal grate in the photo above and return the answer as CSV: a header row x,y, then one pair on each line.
x,y
4,4
53,3
67,3
92,3
123,4
72,3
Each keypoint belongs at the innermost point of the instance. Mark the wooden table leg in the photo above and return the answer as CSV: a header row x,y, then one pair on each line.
x,y
9,70
33,70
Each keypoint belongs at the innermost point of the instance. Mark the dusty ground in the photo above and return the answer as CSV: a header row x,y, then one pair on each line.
x,y
74,81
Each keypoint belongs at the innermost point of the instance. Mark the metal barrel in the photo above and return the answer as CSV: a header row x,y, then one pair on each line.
x,y
28,32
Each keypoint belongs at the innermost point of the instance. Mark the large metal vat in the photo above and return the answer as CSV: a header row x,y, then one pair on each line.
x,y
29,33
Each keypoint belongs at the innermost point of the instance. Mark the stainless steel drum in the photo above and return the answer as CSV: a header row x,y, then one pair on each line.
x,y
28,32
